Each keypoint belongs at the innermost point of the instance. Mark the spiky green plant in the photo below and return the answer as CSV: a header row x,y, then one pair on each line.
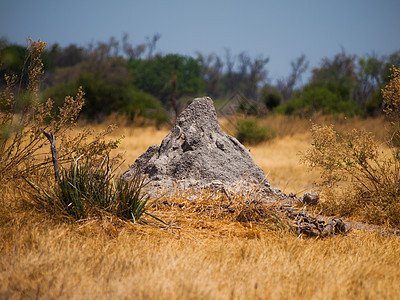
x,y
89,187
129,200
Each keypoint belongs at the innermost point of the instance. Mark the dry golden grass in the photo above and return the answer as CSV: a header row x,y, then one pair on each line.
x,y
197,256
208,259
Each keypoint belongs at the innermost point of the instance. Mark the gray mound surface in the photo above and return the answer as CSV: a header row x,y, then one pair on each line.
x,y
198,153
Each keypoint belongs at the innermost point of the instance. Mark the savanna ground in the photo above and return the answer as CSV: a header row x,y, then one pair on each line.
x,y
197,256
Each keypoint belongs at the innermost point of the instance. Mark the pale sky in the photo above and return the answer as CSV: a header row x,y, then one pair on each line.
x,y
281,30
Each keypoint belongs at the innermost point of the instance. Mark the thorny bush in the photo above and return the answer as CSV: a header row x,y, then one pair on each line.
x,y
359,180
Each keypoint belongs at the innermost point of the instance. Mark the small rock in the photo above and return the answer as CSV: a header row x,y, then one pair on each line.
x,y
310,198
338,225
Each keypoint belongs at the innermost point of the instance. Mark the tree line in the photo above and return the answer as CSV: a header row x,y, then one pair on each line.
x,y
139,80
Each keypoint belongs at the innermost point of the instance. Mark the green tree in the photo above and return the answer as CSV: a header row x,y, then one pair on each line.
x,y
331,89
104,97
246,78
392,60
151,75
14,62
287,85
374,75
212,72
340,73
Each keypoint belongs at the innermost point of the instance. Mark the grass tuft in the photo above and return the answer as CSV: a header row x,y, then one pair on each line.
x,y
87,188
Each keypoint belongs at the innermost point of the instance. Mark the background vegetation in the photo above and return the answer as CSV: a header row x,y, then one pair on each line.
x,y
139,80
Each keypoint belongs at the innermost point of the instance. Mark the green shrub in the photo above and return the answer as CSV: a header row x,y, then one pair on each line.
x,y
140,103
161,117
271,97
249,107
59,92
13,61
326,98
249,132
104,97
272,100
373,106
